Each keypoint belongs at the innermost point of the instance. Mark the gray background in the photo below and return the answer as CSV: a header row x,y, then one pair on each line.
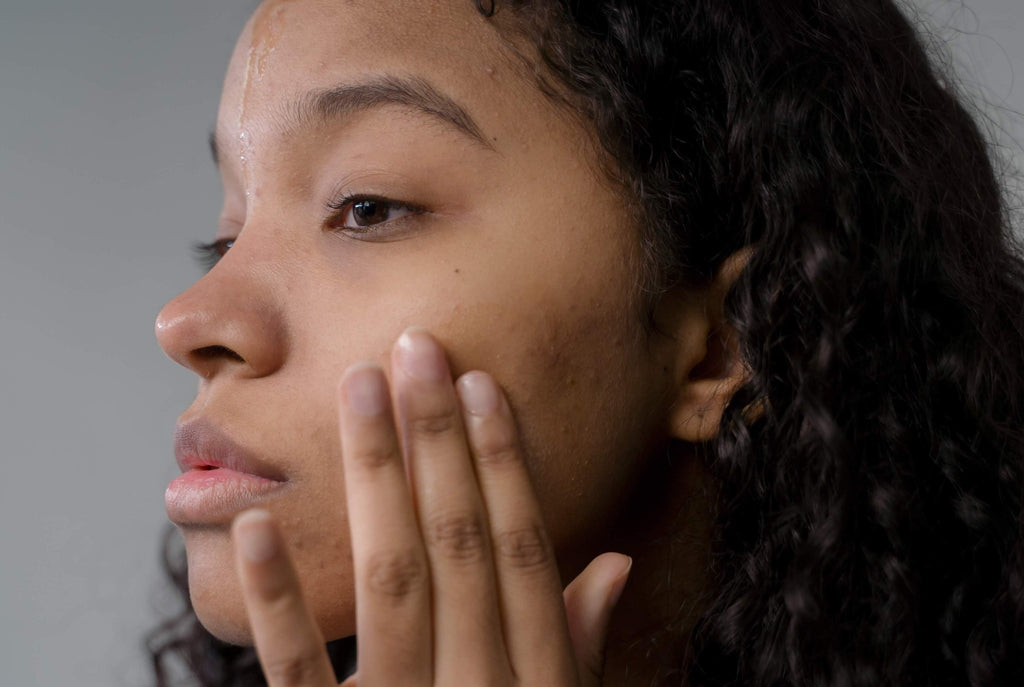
x,y
105,179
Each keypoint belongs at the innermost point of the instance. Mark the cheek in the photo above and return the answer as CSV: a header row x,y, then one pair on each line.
x,y
567,355
579,381
583,421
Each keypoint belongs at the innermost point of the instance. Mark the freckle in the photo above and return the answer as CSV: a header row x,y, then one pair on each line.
x,y
458,271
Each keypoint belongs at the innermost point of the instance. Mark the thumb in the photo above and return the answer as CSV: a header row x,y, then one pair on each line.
x,y
589,600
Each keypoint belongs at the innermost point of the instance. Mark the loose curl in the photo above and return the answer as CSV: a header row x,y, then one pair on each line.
x,y
871,528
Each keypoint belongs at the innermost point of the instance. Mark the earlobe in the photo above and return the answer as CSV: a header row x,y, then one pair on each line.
x,y
707,362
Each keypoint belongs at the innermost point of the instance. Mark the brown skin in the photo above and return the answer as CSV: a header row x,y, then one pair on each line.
x,y
523,264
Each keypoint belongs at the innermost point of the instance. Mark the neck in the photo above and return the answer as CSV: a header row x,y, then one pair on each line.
x,y
667,528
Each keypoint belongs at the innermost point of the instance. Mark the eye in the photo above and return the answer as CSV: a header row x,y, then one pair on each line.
x,y
209,254
363,214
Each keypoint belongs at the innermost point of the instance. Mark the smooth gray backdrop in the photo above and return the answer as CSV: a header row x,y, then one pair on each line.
x,y
105,179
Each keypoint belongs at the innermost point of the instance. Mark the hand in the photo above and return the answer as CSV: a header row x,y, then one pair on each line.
x,y
456,581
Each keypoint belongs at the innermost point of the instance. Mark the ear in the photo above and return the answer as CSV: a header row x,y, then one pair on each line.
x,y
703,357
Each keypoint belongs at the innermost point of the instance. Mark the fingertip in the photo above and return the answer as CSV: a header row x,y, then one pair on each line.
x,y
605,578
478,393
353,370
255,536
365,389
612,564
624,564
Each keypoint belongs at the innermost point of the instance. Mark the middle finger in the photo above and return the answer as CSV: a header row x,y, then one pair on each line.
x,y
468,644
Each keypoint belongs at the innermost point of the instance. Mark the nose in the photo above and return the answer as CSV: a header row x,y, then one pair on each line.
x,y
228,322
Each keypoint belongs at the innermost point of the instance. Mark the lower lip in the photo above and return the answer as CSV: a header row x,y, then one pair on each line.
x,y
203,497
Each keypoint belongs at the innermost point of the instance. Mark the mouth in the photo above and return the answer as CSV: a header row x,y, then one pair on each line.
x,y
219,478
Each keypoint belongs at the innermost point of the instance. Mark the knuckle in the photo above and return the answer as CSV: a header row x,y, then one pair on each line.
x,y
372,457
460,537
524,548
495,454
433,424
291,671
496,446
396,575
277,595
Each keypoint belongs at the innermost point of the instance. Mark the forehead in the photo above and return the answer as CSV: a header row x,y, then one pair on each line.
x,y
292,47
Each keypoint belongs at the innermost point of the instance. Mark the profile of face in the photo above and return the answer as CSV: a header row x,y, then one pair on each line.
x,y
391,164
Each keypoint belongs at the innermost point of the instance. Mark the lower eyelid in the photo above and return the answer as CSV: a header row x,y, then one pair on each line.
x,y
393,230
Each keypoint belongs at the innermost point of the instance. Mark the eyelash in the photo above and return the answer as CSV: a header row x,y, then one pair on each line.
x,y
209,254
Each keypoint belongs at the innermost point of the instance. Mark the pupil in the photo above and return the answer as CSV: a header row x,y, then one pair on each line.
x,y
367,212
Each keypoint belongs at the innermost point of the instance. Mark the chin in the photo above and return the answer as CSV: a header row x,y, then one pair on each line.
x,y
217,598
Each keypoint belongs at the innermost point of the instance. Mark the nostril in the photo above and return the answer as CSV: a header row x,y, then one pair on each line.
x,y
214,352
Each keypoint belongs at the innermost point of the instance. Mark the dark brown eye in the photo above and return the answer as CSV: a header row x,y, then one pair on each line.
x,y
358,213
369,212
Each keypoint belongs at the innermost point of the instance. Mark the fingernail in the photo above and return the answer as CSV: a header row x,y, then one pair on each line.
x,y
478,392
421,357
256,538
365,389
620,583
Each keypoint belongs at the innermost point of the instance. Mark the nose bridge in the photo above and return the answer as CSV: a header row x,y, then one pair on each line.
x,y
230,319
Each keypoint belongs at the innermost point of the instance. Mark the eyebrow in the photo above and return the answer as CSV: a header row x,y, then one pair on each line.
x,y
340,102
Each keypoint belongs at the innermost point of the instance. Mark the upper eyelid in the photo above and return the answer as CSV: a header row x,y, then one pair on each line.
x,y
344,199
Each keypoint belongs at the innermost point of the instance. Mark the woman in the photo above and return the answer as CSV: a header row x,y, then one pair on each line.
x,y
725,288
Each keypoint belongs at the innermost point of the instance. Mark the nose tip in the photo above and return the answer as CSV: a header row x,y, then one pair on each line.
x,y
213,328
180,333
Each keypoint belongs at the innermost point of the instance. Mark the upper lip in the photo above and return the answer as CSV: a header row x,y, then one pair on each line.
x,y
201,444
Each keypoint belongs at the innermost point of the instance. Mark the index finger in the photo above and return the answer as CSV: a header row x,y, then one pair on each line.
x,y
288,642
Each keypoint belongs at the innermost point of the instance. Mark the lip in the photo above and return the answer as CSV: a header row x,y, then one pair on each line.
x,y
219,478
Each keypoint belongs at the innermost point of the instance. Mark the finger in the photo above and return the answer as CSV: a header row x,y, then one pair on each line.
x,y
391,574
589,601
468,644
529,588
288,643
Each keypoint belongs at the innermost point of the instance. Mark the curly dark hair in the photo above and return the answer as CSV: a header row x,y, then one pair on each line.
x,y
871,528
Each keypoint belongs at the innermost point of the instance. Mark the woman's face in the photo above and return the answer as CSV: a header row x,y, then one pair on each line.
x,y
500,237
